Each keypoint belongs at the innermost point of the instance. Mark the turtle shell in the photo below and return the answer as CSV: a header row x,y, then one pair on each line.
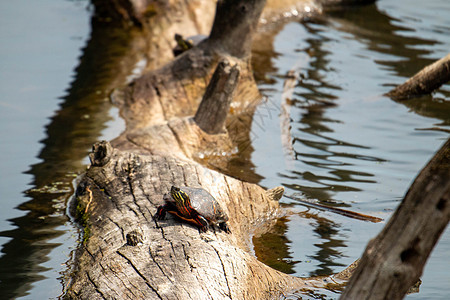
x,y
203,203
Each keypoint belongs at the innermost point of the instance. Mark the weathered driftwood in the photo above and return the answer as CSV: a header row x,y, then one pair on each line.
x,y
166,259
128,254
424,82
394,260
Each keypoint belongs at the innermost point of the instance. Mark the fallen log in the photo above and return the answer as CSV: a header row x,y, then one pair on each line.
x,y
424,82
127,253
394,260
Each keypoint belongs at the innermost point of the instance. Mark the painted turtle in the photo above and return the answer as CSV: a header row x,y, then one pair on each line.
x,y
194,205
184,44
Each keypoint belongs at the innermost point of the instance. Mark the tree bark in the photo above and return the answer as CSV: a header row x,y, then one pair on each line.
x,y
394,260
424,82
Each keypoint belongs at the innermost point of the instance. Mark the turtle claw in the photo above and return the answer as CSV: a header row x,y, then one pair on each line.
x,y
203,228
202,223
224,227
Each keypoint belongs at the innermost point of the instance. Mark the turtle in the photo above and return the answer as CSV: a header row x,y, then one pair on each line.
x,y
194,205
184,44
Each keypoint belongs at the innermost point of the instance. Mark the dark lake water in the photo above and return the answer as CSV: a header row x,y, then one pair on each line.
x,y
348,145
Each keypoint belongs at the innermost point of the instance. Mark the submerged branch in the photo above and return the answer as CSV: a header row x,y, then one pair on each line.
x,y
337,210
424,82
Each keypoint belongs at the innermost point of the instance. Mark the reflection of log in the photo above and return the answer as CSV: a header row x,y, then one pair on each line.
x,y
285,115
394,260
427,80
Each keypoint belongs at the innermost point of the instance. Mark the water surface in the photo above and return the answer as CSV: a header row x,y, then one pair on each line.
x,y
53,106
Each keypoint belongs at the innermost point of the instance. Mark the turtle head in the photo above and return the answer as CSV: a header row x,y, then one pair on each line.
x,y
180,197
178,37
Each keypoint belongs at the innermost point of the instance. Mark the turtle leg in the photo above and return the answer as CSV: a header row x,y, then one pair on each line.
x,y
202,223
161,213
224,227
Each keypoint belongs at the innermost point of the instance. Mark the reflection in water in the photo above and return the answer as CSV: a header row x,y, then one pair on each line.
x,y
71,132
384,34
23,255
328,233
273,248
